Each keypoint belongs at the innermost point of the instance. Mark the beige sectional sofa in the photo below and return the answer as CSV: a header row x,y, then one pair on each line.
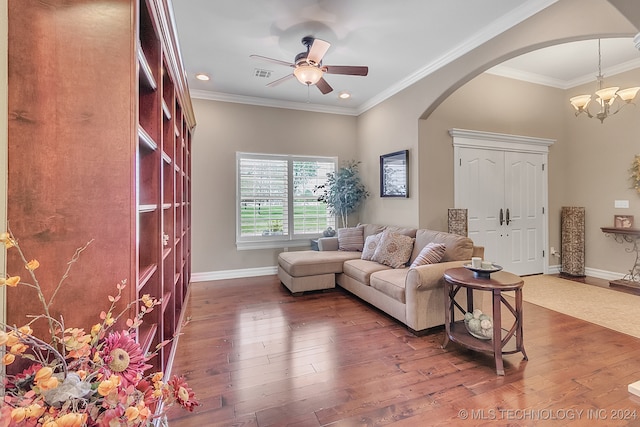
x,y
413,295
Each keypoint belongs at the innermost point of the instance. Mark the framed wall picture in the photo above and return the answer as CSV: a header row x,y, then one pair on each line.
x,y
394,174
623,221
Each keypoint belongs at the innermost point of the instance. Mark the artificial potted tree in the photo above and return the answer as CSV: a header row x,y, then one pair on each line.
x,y
344,191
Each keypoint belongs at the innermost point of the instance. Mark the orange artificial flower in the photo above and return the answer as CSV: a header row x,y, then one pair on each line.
x,y
48,384
12,281
43,374
7,240
18,414
12,339
4,337
76,342
107,386
18,348
131,413
71,420
32,265
8,359
45,380
25,330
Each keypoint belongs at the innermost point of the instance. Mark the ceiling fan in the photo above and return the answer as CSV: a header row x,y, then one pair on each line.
x,y
308,68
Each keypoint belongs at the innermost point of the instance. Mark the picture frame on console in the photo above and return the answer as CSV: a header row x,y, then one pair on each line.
x,y
394,174
623,221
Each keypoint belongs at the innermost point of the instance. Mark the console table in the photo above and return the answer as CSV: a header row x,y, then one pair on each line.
x,y
627,235
458,278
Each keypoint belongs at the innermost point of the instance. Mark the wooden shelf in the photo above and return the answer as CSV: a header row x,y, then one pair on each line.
x,y
146,75
142,98
146,336
146,139
147,208
145,274
166,111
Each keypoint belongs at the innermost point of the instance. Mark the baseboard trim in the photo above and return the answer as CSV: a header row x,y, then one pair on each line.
x,y
233,274
603,274
268,271
591,272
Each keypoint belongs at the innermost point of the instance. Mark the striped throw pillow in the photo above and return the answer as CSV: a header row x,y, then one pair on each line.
x,y
430,254
351,239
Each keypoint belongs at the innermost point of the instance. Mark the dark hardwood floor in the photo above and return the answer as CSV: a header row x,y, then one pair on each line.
x,y
257,356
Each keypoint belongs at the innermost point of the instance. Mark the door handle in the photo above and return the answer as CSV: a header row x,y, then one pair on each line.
x,y
507,216
501,216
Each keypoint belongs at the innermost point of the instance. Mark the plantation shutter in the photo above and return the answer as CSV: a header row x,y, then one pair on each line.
x,y
277,205
263,197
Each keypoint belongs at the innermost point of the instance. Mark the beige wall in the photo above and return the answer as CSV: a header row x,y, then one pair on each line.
x,y
431,144
597,174
588,164
222,130
418,119
492,104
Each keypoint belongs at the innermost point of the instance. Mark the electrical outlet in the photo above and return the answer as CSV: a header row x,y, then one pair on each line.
x,y
624,204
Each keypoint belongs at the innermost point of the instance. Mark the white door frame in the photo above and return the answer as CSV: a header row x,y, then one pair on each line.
x,y
463,138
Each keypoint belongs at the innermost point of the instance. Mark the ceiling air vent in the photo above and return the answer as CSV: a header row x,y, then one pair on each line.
x,y
264,74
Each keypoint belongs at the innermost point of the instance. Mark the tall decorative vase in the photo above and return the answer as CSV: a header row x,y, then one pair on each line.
x,y
572,240
458,222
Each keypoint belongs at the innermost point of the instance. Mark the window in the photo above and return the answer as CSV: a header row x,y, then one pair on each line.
x,y
277,206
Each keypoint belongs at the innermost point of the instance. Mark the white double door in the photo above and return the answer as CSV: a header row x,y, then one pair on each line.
x,y
505,194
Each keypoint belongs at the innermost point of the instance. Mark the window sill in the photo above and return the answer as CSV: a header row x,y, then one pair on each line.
x,y
274,244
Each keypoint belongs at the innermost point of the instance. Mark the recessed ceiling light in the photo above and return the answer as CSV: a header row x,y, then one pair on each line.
x,y
344,95
203,77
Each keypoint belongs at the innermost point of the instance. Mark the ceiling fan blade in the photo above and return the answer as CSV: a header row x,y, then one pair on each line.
x,y
317,51
346,69
280,80
324,87
275,61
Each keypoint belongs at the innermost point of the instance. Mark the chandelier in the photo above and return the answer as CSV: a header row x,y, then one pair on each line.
x,y
609,99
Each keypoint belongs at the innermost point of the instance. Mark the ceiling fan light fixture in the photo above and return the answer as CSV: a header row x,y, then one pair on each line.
x,y
308,74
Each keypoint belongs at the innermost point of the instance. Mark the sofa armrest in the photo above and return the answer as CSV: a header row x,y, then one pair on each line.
x,y
429,276
328,244
425,297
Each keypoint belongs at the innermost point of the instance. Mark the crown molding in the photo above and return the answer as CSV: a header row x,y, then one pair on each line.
x,y
499,26
513,73
275,103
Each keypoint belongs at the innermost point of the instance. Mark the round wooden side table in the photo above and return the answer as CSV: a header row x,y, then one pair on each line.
x,y
503,339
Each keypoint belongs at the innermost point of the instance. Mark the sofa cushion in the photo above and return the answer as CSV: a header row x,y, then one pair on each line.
x,y
458,248
411,232
371,229
361,270
309,263
370,245
391,283
350,239
394,249
430,254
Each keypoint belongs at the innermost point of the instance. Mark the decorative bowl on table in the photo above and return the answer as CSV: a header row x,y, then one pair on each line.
x,y
483,273
479,325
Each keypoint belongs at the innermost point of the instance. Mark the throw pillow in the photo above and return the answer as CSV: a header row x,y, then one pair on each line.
x,y
393,250
350,239
430,254
370,245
